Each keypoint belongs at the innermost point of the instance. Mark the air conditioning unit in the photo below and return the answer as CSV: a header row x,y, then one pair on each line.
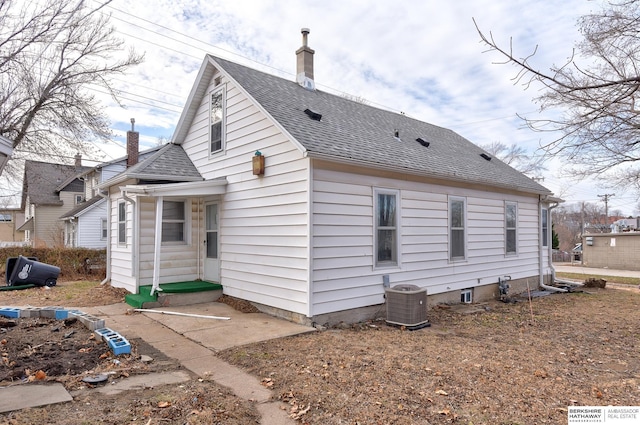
x,y
407,306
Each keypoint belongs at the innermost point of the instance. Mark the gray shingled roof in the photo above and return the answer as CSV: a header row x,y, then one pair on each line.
x,y
80,208
170,163
41,180
358,133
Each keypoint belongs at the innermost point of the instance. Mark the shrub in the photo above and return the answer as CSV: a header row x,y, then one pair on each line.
x,y
74,263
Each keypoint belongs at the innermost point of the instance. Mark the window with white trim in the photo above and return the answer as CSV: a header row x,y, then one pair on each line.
x,y
457,229
122,223
386,227
511,227
103,229
216,120
545,227
173,221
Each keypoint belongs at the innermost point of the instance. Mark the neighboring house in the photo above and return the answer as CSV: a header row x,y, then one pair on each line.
x,y
6,149
307,204
86,225
10,220
48,191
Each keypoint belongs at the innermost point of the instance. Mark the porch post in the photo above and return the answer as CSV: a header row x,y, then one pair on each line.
x,y
158,244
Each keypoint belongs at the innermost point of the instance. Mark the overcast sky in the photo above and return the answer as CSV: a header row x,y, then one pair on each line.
x,y
423,58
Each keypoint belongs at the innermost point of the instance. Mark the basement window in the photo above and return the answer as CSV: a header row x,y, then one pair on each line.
x,y
466,296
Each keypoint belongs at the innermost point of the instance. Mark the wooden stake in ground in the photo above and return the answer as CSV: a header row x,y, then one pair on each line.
x,y
530,304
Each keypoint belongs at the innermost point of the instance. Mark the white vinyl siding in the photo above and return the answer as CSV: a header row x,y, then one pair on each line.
x,y
511,228
343,242
122,256
178,262
264,233
90,227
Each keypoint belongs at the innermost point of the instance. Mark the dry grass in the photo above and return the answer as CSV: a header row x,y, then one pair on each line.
x,y
580,277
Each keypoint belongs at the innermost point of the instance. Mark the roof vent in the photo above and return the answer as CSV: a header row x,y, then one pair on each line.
x,y
423,142
485,156
396,134
313,115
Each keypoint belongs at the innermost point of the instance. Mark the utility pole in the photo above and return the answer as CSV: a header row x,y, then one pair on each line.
x,y
606,197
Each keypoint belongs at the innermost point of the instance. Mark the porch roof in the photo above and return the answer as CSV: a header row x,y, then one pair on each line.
x,y
200,188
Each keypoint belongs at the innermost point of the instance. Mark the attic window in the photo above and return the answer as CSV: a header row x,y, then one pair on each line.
x,y
313,115
423,142
485,156
217,120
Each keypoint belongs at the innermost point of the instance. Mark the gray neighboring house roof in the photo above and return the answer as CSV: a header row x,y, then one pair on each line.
x,y
356,133
122,160
42,180
82,208
169,164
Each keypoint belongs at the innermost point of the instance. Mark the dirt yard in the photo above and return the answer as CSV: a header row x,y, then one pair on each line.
x,y
490,363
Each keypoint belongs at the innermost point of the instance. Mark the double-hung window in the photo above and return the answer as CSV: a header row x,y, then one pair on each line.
x,y
173,221
511,227
545,226
386,227
457,229
216,119
122,223
103,229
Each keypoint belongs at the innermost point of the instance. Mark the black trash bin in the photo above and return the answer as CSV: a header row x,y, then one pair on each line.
x,y
11,263
25,271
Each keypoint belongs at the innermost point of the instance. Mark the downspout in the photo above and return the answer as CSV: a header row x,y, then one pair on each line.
x,y
134,245
199,238
549,250
155,287
108,265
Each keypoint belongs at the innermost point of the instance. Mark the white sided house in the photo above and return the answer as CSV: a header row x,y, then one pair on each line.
x,y
307,203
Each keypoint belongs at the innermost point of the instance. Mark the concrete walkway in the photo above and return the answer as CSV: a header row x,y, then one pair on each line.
x,y
193,341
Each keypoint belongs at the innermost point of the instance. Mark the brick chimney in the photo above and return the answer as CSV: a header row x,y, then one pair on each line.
x,y
304,67
78,160
133,141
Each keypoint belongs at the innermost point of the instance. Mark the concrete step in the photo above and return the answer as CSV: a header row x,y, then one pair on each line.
x,y
177,299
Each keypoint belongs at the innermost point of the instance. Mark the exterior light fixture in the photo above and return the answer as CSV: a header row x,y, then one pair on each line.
x,y
258,164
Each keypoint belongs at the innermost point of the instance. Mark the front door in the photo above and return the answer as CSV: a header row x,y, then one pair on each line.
x,y
211,260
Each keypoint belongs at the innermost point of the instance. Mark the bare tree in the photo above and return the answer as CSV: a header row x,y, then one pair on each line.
x,y
517,157
596,91
571,220
51,54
